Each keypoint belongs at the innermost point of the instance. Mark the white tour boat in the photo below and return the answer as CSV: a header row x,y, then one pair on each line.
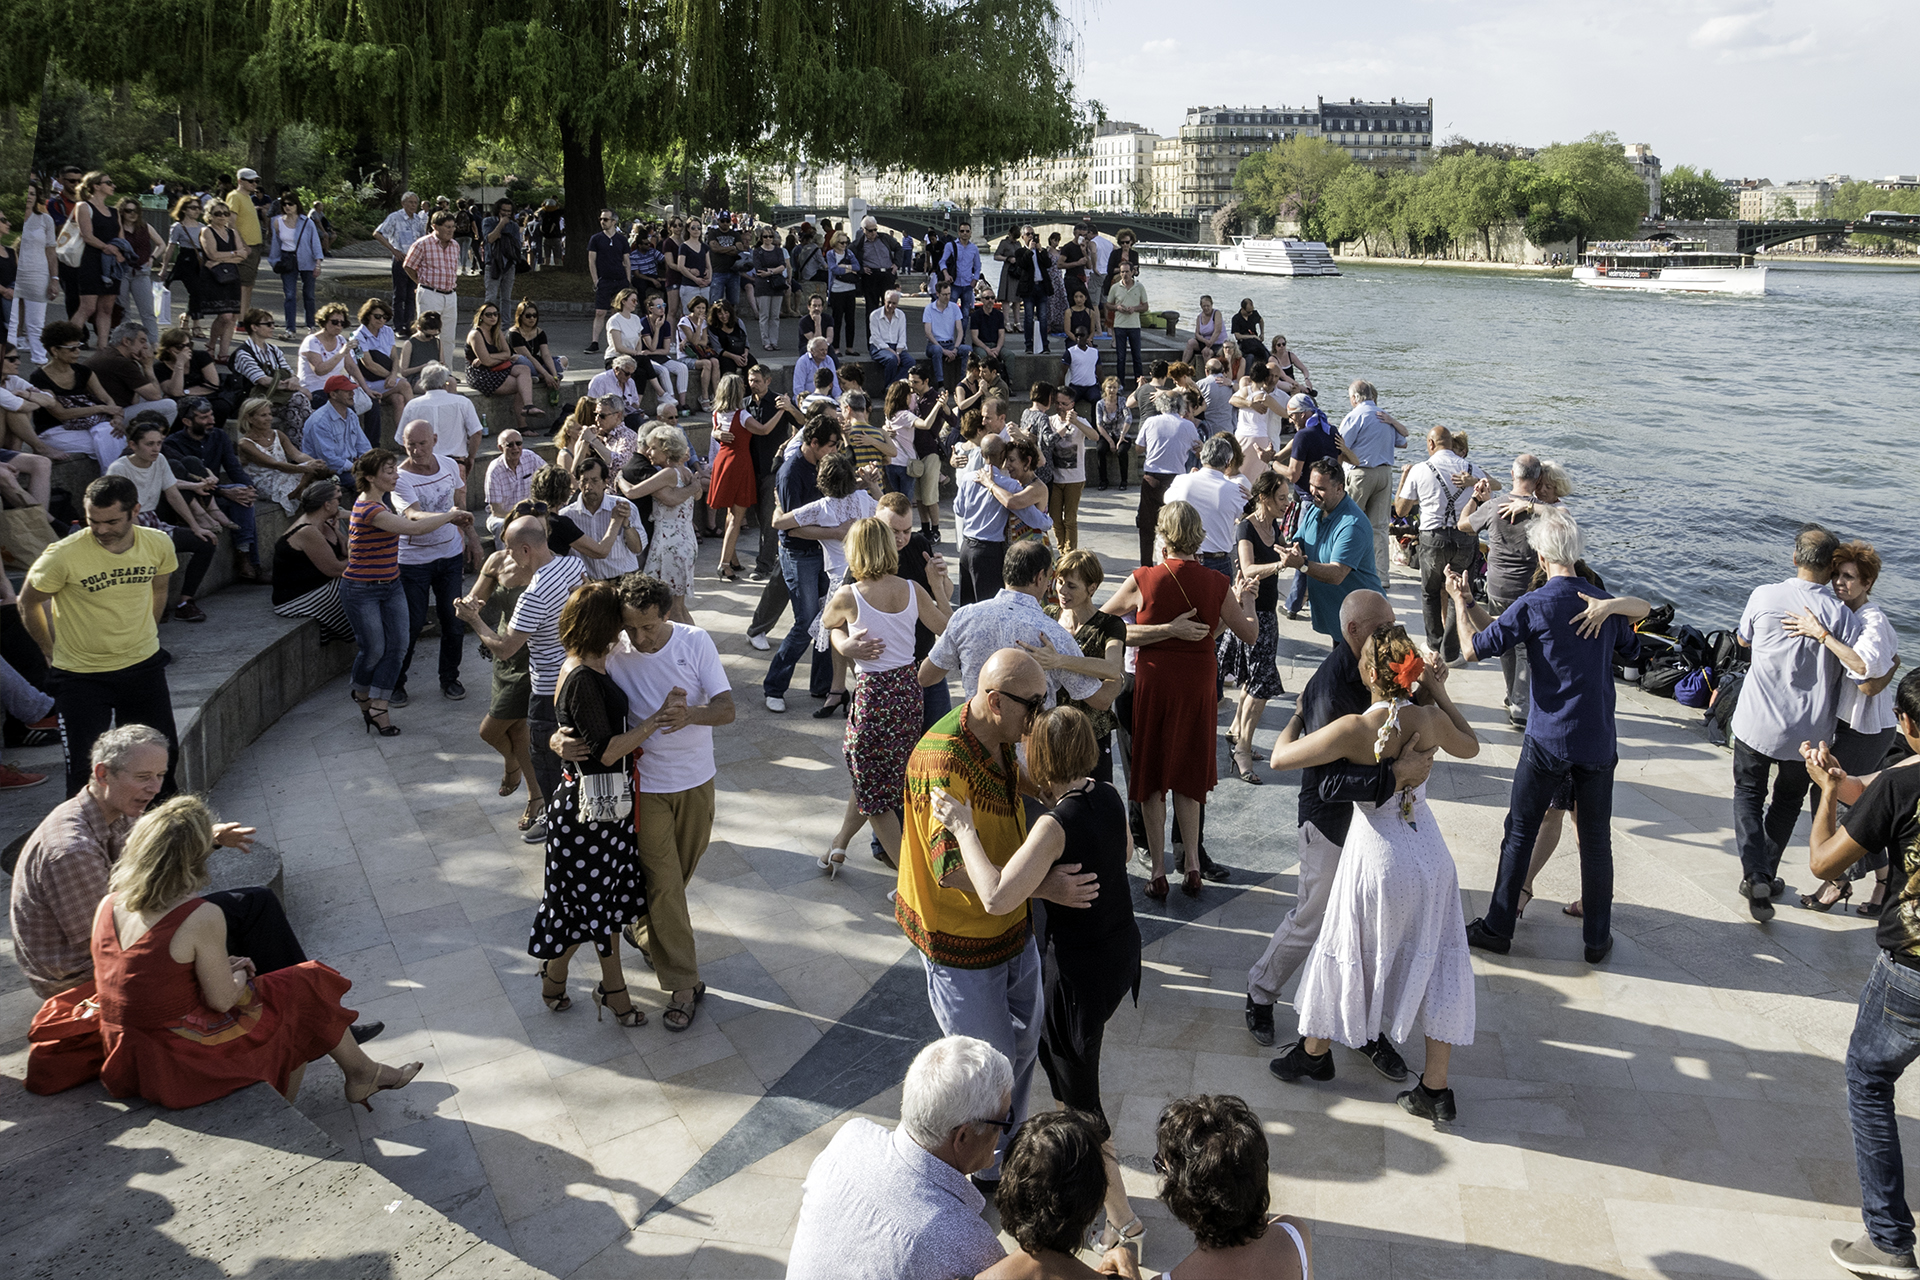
x,y
1663,266
1248,255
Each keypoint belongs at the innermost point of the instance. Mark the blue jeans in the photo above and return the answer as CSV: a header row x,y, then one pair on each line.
x,y
1125,340
1762,827
247,539
1538,775
1886,1038
378,614
445,578
897,480
726,288
1002,1006
963,294
288,282
893,367
806,579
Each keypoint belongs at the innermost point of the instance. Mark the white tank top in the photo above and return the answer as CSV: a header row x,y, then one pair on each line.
x,y
1299,1247
894,630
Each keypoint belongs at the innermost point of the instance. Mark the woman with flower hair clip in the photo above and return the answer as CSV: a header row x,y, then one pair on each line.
x,y
1392,956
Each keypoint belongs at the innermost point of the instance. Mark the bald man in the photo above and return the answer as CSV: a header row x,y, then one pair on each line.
x,y
983,971
1327,796
535,625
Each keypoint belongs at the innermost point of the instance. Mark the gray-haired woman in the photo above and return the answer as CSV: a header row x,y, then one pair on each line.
x,y
672,488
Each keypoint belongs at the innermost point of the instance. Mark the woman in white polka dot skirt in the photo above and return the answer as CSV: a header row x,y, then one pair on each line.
x,y
1391,959
594,882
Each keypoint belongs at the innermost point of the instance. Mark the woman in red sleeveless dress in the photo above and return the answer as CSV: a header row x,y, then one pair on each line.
x,y
183,1022
733,489
1176,703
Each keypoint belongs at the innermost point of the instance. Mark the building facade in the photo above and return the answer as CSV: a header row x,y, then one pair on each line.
x,y
1214,140
1647,165
1166,176
1391,134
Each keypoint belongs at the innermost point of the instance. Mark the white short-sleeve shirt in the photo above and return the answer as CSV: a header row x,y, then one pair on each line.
x,y
682,760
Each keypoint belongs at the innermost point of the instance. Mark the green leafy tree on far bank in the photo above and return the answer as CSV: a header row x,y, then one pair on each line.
x,y
1694,194
1291,179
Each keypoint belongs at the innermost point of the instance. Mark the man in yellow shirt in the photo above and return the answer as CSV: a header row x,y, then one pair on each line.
x,y
983,971
246,221
93,602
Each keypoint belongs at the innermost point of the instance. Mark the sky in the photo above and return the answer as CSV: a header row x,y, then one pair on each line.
x,y
1760,90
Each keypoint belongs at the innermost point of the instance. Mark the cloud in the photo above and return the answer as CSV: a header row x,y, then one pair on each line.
x,y
1748,37
1160,46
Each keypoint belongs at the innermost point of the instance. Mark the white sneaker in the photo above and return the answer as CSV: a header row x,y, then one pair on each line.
x,y
776,705
760,642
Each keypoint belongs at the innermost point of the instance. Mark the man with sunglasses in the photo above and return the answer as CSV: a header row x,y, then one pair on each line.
x,y
607,251
983,971
501,236
509,479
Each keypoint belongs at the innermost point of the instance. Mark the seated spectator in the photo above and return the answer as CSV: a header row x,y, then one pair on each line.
x,y
199,451
456,423
264,367
1212,1157
124,368
620,381
372,345
183,370
183,1032
509,479
278,471
814,361
333,434
82,418
164,498
308,561
18,401
23,701
491,369
899,1204
1051,1189
419,349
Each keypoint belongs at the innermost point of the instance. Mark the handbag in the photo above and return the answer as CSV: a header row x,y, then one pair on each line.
x,y
605,797
362,402
64,1047
224,273
285,265
69,245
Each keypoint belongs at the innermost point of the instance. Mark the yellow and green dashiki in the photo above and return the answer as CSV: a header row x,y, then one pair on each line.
x,y
950,925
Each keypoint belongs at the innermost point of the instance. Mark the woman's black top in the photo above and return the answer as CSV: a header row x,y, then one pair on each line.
x,y
294,572
1079,322
595,708
636,471
562,533
733,342
521,343
200,370
9,268
1095,822
694,260
1268,597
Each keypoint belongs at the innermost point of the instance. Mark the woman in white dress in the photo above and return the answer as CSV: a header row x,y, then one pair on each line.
x,y
38,280
1260,420
673,488
1392,956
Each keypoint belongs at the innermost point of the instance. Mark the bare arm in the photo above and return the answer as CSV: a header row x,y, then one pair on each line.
x,y
36,614
1001,890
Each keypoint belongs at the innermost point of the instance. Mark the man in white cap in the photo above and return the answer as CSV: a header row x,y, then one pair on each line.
x,y
246,221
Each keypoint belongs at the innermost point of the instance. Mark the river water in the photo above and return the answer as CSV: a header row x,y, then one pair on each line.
x,y
1700,431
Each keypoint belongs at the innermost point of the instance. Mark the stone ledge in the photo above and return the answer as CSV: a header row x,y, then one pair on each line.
x,y
245,1185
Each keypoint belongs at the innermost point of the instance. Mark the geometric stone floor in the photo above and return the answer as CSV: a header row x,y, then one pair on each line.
x,y
1677,1112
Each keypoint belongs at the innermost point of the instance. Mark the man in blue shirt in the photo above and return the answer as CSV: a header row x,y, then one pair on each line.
x,y
1373,435
1334,550
803,563
982,521
1574,633
333,433
946,329
1313,439
960,267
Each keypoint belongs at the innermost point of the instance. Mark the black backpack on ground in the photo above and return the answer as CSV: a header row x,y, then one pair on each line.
x,y
1720,711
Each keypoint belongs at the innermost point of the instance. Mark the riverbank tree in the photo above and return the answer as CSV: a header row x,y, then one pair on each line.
x,y
1694,194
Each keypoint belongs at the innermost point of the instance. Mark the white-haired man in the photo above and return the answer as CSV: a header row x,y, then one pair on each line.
x,y
1574,632
878,255
1373,434
455,422
397,232
887,339
896,1204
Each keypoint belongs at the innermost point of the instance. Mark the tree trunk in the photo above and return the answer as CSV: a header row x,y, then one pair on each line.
x,y
263,156
583,173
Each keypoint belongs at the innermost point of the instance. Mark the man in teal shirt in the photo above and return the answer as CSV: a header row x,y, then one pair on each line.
x,y
1334,548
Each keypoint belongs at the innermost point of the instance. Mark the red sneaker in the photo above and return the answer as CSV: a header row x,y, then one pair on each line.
x,y
12,779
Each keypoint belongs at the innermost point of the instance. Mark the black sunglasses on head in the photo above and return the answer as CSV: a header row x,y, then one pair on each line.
x,y
529,508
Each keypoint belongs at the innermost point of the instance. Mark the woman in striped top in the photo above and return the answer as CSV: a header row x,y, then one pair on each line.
x,y
370,587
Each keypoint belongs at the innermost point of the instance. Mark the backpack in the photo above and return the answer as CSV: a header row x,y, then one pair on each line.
x,y
1729,656
1657,621
1695,688
1720,708
1663,673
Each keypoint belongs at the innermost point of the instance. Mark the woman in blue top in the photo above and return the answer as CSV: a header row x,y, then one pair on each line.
x,y
294,252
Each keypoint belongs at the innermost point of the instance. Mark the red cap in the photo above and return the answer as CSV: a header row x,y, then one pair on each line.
x,y
339,382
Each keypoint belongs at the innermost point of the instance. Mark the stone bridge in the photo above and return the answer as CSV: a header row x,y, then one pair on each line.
x,y
991,224
1730,235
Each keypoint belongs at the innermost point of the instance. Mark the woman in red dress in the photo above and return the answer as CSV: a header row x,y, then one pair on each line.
x,y
732,488
1176,702
182,1021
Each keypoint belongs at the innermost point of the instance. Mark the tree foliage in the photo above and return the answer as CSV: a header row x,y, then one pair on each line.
x,y
1291,180
1693,195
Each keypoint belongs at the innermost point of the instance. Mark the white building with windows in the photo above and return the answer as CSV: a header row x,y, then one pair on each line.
x,y
1647,165
1120,177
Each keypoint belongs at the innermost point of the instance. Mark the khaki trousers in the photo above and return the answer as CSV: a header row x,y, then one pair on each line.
x,y
673,831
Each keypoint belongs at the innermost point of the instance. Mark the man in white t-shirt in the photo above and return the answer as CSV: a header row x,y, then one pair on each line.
x,y
612,538
677,691
1219,500
1440,487
1164,442
535,625
431,562
455,422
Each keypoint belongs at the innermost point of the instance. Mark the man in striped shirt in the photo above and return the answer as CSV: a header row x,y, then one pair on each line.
x,y
509,479
433,264
536,626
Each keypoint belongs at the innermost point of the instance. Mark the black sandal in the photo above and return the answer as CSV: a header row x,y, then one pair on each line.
x,y
634,1016
556,1003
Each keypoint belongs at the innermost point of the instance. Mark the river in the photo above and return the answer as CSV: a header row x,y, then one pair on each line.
x,y
1700,431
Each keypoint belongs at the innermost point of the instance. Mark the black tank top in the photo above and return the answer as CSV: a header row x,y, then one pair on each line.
x,y
1095,823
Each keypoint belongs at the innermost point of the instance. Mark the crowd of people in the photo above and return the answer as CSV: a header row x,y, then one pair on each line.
x,y
987,700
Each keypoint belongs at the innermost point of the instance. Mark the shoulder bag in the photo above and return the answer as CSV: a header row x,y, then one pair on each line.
x,y
69,245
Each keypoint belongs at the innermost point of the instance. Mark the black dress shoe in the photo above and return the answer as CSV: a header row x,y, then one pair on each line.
x,y
365,1031
1211,870
1760,900
1478,935
1779,886
1385,1058
1428,1104
1297,1064
1596,954
1260,1022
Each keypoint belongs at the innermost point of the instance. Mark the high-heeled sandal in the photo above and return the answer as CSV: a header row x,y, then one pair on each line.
x,y
1190,883
377,722
557,1003
1131,1234
833,861
727,572
633,1017
1521,910
1816,902
1243,765
510,781
401,1078
1876,901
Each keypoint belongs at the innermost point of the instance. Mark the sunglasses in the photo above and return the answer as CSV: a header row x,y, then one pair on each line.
x,y
1033,705
529,315
333,320
510,444
529,508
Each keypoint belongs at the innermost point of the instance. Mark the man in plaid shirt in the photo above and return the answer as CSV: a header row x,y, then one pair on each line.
x,y
509,478
433,264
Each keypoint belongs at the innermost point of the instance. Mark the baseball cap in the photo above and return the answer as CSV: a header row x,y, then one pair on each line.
x,y
247,175
339,382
